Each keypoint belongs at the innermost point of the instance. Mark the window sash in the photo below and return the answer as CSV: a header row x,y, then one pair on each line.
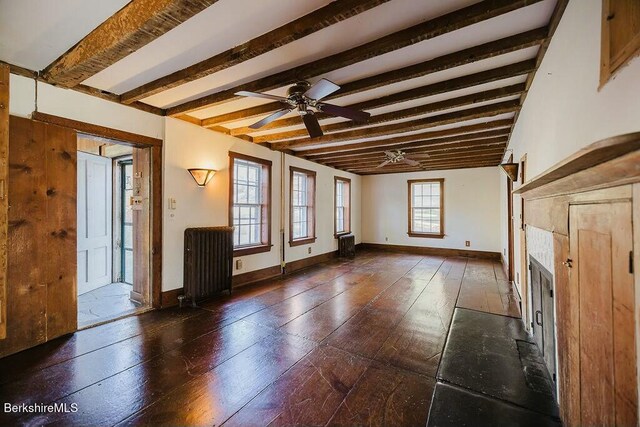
x,y
425,208
302,205
248,210
341,214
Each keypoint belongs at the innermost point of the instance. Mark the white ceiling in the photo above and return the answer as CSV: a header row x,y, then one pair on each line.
x,y
33,40
33,33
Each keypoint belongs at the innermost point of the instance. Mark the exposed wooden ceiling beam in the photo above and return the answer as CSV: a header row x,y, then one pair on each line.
x,y
461,156
488,137
409,126
461,101
421,92
133,26
324,17
458,132
426,30
451,85
115,98
456,59
420,156
439,168
426,165
424,146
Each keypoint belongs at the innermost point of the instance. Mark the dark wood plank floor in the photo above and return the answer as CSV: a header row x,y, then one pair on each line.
x,y
344,343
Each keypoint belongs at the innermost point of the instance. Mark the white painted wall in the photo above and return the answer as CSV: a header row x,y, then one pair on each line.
x,y
78,106
189,146
325,241
471,205
564,110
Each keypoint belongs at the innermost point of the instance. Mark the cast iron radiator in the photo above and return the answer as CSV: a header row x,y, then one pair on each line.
x,y
208,261
347,246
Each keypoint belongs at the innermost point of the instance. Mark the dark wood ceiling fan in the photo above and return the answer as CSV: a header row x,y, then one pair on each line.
x,y
307,100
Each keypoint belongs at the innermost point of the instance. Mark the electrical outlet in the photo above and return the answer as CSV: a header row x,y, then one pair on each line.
x,y
467,243
518,278
504,251
386,239
238,264
309,249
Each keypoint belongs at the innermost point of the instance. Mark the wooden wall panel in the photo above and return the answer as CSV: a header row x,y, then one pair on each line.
x,y
60,234
4,204
601,244
568,334
552,213
41,270
26,290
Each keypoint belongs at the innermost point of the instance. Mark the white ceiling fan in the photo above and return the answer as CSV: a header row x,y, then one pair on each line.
x,y
397,156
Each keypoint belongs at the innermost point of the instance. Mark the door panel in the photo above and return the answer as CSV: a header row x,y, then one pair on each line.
x,y
94,221
543,313
548,323
600,243
41,301
536,301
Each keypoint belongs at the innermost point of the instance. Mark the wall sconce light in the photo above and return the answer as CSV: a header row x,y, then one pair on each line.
x,y
202,176
510,168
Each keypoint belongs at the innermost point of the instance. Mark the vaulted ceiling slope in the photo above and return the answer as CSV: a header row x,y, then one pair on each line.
x,y
443,81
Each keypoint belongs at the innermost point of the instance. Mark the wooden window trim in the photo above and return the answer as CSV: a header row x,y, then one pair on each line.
x,y
348,211
311,195
266,164
611,63
412,233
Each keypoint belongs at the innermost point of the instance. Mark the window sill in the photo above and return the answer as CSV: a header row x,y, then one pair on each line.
x,y
344,233
300,242
428,235
251,250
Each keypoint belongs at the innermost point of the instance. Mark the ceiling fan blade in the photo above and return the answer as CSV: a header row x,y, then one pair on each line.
x,y
261,95
386,162
411,162
389,154
312,125
348,113
321,89
270,118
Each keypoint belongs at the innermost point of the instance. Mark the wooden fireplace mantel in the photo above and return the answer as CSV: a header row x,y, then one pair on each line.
x,y
607,163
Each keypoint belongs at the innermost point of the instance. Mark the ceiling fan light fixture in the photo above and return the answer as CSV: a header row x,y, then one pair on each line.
x,y
306,98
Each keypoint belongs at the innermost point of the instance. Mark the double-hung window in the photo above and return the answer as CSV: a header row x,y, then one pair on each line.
x,y
250,199
302,210
342,215
426,208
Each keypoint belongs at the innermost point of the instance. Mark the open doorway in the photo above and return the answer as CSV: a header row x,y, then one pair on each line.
x,y
112,214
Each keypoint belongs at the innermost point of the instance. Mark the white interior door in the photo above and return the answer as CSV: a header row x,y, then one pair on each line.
x,y
95,195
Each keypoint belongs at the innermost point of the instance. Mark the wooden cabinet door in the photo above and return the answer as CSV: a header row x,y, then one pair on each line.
x,y
600,245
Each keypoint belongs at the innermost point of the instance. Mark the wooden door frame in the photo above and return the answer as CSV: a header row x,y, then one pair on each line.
x,y
137,141
510,268
524,263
